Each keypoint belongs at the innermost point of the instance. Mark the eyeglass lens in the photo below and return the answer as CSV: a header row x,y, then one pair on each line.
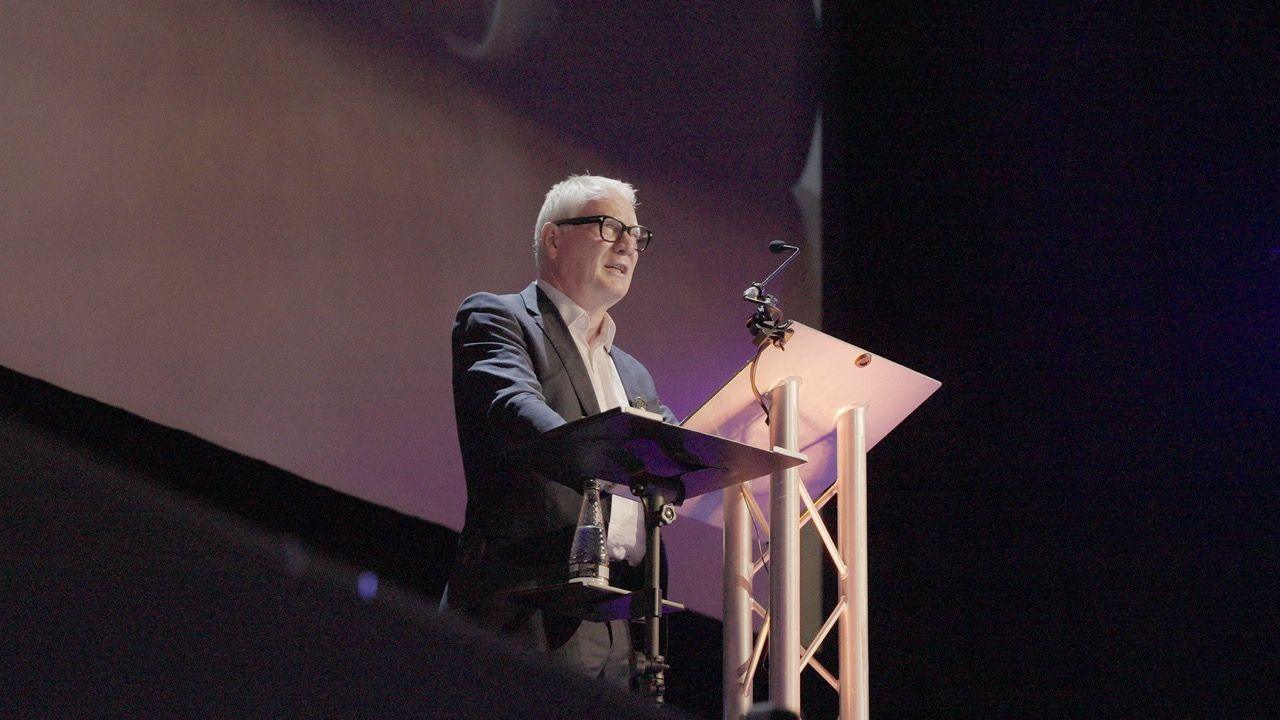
x,y
611,231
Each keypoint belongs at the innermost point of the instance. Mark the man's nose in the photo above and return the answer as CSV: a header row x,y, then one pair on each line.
x,y
626,245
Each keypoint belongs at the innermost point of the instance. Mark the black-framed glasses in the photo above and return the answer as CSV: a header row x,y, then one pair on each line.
x,y
612,229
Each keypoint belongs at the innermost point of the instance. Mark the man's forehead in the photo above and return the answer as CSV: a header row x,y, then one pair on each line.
x,y
610,205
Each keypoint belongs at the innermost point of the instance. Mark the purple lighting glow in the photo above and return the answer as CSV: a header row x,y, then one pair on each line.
x,y
367,585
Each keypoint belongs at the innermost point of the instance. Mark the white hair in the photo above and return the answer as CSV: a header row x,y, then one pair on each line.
x,y
567,197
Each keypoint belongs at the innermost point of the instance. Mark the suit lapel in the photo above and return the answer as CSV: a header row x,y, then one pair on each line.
x,y
558,337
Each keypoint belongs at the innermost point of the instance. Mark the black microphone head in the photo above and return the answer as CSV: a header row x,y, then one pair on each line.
x,y
780,246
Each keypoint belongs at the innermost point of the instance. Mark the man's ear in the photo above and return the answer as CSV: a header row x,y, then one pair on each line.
x,y
550,236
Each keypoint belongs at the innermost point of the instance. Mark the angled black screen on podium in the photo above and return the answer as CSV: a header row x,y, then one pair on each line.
x,y
625,446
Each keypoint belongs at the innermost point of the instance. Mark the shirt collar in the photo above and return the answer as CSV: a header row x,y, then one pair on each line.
x,y
576,318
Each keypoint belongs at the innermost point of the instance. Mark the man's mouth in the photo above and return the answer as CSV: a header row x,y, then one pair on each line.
x,y
620,268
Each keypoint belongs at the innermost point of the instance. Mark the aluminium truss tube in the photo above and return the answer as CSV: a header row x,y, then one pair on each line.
x,y
784,552
851,511
736,694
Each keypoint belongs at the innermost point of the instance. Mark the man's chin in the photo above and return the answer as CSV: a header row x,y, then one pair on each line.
x,y
616,288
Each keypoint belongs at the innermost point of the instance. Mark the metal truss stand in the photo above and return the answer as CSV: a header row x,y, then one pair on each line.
x,y
781,621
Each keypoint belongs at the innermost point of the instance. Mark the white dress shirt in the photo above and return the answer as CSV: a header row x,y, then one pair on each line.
x,y
625,540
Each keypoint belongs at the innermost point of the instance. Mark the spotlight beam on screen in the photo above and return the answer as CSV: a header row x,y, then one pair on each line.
x,y
245,225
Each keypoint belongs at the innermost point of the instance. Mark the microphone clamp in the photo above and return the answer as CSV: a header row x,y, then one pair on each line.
x,y
767,324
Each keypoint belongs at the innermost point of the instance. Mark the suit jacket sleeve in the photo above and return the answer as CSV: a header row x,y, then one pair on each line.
x,y
495,385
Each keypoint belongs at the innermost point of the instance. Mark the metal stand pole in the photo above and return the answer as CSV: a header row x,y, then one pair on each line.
x,y
851,513
649,675
736,577
784,552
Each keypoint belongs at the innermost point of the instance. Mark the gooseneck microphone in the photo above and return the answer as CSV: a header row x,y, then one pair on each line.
x,y
777,247
767,325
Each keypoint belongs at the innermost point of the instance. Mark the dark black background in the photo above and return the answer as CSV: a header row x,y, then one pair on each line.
x,y
1068,217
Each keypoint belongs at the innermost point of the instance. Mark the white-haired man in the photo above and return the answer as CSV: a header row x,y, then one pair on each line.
x,y
523,364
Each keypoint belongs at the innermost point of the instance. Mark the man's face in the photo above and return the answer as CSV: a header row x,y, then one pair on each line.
x,y
595,273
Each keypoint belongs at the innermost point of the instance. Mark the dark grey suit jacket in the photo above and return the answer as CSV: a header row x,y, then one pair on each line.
x,y
516,374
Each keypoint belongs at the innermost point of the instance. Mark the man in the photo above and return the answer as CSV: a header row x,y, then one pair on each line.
x,y
522,365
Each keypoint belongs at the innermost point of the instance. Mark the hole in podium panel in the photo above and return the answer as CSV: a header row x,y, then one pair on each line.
x,y
862,360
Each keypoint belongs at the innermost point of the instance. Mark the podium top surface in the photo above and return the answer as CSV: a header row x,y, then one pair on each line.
x,y
624,445
833,375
